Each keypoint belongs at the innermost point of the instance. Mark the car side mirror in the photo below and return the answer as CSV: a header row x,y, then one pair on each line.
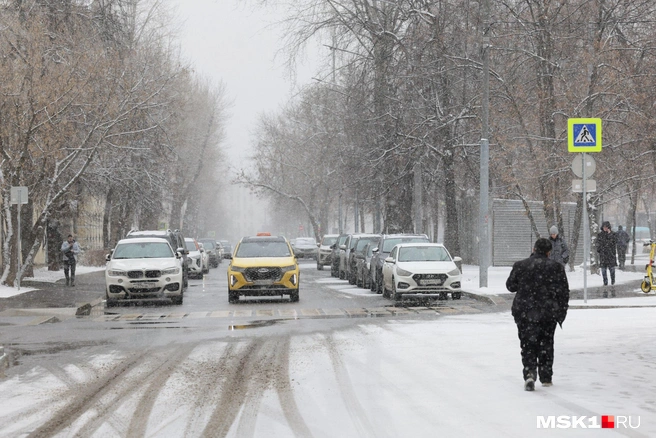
x,y
457,259
375,250
178,254
389,260
342,247
108,257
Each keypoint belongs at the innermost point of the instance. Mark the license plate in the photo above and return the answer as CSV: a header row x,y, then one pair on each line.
x,y
263,282
141,286
427,282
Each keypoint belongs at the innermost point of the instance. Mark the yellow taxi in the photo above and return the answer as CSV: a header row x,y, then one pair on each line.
x,y
263,265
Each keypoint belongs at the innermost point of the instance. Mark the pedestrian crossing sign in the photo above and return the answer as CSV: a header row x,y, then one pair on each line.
x,y
584,135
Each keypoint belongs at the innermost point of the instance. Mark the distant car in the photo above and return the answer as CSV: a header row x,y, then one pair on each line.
x,y
194,259
263,266
143,268
421,268
334,255
305,247
213,251
325,251
227,249
385,244
205,258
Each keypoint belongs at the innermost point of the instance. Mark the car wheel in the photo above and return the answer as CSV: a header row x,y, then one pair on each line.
x,y
386,293
358,282
351,278
342,275
293,296
319,267
233,297
177,300
111,303
443,296
456,295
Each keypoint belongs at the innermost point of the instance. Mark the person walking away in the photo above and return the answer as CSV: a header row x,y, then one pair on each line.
x,y
541,302
70,249
606,246
559,249
623,240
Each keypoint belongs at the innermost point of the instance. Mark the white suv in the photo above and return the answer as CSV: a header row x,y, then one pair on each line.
x,y
143,268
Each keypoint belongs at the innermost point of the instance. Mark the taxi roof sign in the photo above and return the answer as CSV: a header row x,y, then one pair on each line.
x,y
584,135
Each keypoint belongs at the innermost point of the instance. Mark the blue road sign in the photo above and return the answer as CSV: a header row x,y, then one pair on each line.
x,y
584,135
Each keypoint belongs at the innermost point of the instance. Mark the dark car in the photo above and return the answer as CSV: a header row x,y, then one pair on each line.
x,y
175,239
227,249
212,249
361,240
362,265
385,244
334,255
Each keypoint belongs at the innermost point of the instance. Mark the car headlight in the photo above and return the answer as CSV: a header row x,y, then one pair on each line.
x,y
117,273
403,272
455,272
237,269
171,271
288,268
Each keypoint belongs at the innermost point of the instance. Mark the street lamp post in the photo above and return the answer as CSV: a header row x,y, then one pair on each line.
x,y
484,243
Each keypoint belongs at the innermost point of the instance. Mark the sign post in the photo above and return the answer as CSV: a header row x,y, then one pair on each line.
x,y
584,135
18,196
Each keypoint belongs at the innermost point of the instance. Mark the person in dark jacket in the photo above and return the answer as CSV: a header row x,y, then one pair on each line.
x,y
541,303
606,246
623,240
559,249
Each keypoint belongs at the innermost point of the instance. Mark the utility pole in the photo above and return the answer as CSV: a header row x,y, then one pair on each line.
x,y
484,243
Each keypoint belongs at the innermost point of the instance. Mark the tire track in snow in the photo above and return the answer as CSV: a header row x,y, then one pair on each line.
x,y
234,392
286,394
355,410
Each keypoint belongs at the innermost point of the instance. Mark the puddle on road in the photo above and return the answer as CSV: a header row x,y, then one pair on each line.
x,y
254,324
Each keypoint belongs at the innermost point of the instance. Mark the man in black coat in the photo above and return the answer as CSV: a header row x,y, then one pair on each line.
x,y
606,245
541,303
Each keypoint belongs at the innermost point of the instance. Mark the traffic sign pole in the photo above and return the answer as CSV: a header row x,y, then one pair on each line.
x,y
586,231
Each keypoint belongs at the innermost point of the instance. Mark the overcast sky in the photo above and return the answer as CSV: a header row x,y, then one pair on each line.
x,y
235,42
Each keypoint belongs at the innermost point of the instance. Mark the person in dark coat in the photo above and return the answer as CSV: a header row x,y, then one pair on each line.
x,y
623,240
606,246
541,303
559,249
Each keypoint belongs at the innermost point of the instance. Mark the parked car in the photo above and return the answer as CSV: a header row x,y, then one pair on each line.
x,y
361,241
334,255
263,266
175,239
385,244
345,258
421,268
362,266
305,247
143,268
213,251
227,249
194,258
205,257
324,256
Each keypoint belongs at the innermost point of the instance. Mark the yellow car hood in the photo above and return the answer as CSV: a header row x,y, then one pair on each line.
x,y
248,262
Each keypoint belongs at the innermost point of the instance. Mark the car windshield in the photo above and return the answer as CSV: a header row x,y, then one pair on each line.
x,y
392,242
423,254
327,241
263,249
305,241
144,250
191,245
208,244
363,242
